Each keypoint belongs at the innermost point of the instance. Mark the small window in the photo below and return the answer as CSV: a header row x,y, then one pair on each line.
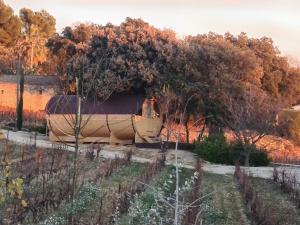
x,y
2,92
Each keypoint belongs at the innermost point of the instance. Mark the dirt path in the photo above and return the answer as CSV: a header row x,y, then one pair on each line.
x,y
185,158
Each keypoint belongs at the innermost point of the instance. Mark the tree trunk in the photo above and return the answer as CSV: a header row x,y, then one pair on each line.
x,y
202,131
247,151
77,134
31,56
176,216
187,131
214,130
20,101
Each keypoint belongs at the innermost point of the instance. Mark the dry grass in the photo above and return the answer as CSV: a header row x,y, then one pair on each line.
x,y
279,149
280,205
224,205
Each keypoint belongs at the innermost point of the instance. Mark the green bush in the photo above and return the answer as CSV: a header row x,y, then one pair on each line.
x,y
86,197
257,157
215,149
40,129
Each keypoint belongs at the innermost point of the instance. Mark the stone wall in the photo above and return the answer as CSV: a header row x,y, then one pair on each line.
x,y
35,96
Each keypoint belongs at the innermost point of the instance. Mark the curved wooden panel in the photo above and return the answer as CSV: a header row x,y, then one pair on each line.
x,y
121,126
99,127
149,127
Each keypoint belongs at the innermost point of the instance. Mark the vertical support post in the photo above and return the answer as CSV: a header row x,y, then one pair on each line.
x,y
77,128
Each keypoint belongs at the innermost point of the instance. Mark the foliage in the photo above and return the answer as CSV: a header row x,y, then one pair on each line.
x,y
224,205
10,26
38,27
11,187
156,205
238,152
117,191
86,196
213,148
266,204
290,87
289,124
227,75
25,36
222,73
259,212
42,20
72,42
107,176
54,220
288,183
133,55
37,128
216,149
7,60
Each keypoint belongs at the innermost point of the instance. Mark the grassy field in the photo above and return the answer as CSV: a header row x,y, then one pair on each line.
x,y
282,208
13,152
223,204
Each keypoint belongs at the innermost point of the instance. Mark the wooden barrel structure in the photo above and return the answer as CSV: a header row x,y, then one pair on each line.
x,y
122,119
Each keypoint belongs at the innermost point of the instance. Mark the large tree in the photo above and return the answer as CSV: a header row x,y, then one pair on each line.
x,y
10,25
276,69
10,31
72,42
290,86
132,56
215,70
7,60
251,117
38,27
42,20
223,70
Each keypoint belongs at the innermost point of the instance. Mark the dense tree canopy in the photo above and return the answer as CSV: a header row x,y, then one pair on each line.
x,y
219,71
136,55
216,69
24,37
133,55
72,42
41,20
10,26
37,28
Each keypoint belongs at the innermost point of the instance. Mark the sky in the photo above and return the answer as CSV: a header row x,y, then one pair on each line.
x,y
278,19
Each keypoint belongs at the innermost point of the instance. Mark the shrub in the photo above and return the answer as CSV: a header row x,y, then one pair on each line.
x,y
54,220
40,129
86,197
237,153
215,149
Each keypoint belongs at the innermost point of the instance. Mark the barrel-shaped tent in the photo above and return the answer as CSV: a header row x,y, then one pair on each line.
x,y
122,119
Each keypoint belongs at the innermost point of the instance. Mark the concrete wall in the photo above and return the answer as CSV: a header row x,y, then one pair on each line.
x,y
35,97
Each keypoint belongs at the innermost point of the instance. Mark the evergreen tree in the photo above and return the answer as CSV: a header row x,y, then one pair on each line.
x,y
10,26
20,101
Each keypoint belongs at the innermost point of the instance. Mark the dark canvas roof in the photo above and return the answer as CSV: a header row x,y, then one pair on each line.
x,y
116,104
32,80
